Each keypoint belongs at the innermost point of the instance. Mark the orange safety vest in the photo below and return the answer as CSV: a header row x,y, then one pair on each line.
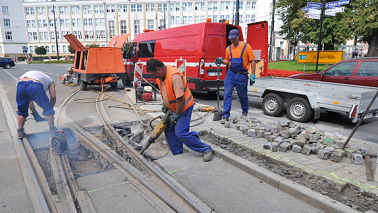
x,y
168,88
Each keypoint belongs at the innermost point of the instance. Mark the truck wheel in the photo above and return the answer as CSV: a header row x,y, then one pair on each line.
x,y
83,85
298,109
7,66
114,85
126,81
273,104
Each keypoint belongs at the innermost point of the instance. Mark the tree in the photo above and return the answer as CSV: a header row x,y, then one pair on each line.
x,y
40,50
70,49
92,45
297,27
363,21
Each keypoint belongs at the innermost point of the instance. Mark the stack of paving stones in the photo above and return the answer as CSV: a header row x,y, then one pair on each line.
x,y
287,135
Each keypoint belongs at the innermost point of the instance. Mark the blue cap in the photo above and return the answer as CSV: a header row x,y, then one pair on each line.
x,y
233,34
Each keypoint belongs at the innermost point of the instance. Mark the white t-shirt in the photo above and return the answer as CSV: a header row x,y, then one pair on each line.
x,y
41,77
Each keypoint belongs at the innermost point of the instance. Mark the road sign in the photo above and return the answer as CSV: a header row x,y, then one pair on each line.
x,y
325,57
329,12
312,16
336,3
304,9
335,10
314,4
314,11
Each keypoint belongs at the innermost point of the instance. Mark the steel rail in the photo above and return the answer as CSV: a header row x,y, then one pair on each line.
x,y
41,198
106,121
88,137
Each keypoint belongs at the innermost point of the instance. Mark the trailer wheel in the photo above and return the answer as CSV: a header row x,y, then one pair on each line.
x,y
273,104
83,85
298,109
126,81
114,85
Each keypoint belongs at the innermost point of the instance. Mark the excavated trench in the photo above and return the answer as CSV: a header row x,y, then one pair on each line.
x,y
347,194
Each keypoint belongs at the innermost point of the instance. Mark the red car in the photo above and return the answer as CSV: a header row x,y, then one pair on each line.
x,y
358,71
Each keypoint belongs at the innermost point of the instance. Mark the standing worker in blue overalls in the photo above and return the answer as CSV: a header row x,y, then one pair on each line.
x,y
240,58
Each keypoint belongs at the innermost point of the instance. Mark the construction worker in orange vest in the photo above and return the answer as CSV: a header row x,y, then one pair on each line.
x,y
177,98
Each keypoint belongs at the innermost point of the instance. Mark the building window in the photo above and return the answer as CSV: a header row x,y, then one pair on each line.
x,y
139,8
102,21
150,24
240,5
190,6
35,38
228,17
222,6
53,49
150,7
79,35
7,22
177,19
189,19
31,49
253,18
30,36
102,33
162,7
123,27
202,18
209,6
247,18
52,35
184,6
5,9
31,11
184,20
215,18
62,22
241,18
215,6
41,36
79,22
85,22
196,20
27,11
41,11
61,10
90,22
228,6
162,23
74,22
110,8
122,8
197,6
91,34
251,5
98,34
39,23
136,27
32,23
111,29
202,6
133,8
172,7
46,35
97,21
172,19
65,48
47,49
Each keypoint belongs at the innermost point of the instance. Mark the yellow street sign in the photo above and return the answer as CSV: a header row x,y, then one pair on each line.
x,y
325,56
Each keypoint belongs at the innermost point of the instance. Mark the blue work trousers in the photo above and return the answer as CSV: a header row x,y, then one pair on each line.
x,y
240,82
178,134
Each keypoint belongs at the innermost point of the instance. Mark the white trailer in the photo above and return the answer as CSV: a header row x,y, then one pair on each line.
x,y
306,98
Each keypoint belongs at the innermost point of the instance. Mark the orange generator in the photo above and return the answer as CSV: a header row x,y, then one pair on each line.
x,y
98,65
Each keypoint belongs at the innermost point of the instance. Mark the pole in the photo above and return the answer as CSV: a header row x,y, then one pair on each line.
x,y
271,33
164,18
237,13
320,35
169,13
56,36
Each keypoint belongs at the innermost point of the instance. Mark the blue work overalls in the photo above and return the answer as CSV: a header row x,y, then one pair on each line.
x,y
237,76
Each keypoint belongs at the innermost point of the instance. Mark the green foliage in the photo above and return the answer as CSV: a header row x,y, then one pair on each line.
x,y
52,62
92,45
40,50
295,66
71,49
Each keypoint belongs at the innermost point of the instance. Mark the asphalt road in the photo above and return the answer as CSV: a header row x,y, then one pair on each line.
x,y
328,122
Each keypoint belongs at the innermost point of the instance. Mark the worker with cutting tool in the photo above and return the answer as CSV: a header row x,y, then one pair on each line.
x,y
240,58
32,86
177,98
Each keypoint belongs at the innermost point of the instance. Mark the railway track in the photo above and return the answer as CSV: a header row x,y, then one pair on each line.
x,y
166,195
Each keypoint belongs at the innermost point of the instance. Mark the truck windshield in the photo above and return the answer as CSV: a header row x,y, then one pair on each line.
x,y
132,50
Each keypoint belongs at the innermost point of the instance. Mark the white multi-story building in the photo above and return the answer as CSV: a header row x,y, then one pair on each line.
x,y
12,38
98,21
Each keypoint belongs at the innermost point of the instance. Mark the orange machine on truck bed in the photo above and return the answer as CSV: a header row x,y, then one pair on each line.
x,y
98,65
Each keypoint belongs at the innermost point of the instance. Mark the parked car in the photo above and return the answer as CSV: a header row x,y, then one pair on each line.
x,y
357,71
6,62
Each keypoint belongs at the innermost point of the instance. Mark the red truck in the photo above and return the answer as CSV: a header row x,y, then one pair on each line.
x,y
199,44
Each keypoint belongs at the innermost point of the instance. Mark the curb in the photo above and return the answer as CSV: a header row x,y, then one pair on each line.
x,y
301,192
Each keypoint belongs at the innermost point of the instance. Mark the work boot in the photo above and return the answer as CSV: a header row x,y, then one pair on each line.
x,y
224,119
244,115
37,117
52,131
20,133
207,156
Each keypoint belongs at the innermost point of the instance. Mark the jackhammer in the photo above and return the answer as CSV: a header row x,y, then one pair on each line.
x,y
160,127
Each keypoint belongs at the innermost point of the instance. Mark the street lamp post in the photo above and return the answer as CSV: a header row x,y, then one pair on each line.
x,y
56,35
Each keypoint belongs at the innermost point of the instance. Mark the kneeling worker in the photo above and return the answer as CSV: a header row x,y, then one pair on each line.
x,y
177,98
32,86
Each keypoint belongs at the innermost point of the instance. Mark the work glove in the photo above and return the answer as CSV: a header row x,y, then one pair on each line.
x,y
37,117
173,118
218,60
164,108
252,79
